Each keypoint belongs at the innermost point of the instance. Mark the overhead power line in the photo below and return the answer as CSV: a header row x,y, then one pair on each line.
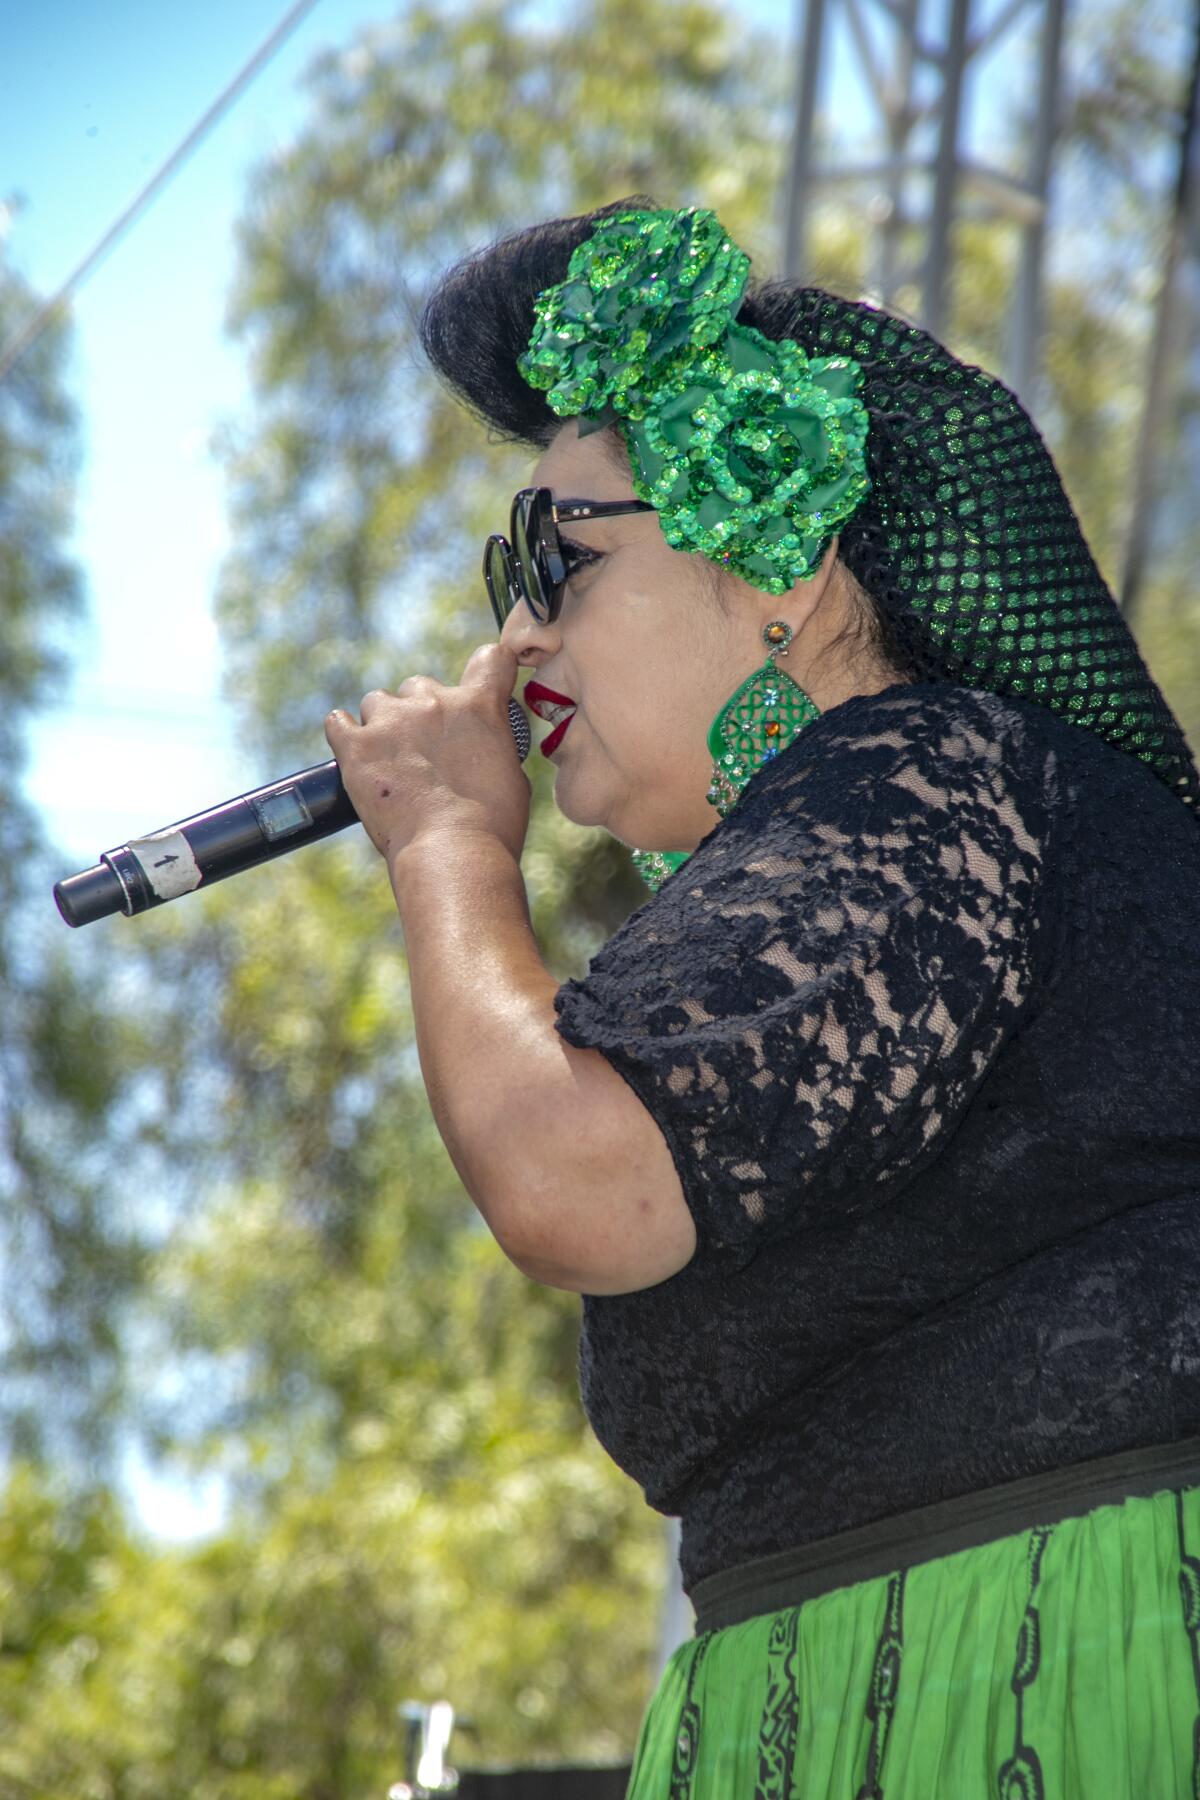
x,y
14,351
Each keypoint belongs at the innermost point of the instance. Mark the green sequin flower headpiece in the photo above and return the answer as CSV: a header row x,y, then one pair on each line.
x,y
755,451
752,452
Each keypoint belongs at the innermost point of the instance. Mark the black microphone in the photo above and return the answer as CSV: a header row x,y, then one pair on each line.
x,y
267,822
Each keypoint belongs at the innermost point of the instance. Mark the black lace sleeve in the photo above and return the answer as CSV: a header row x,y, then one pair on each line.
x,y
808,1005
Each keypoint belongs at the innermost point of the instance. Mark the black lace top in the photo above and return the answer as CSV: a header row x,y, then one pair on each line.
x,y
920,1022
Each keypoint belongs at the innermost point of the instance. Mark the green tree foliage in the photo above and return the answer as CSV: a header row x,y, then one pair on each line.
x,y
1126,64
1128,121
419,1507
268,1663
66,1256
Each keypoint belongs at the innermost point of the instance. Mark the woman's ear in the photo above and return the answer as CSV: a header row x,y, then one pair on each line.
x,y
806,594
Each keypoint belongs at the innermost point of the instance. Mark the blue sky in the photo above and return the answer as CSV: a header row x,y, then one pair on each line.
x,y
91,101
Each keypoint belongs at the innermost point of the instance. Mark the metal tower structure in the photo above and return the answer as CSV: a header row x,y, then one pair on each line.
x,y
920,181
916,169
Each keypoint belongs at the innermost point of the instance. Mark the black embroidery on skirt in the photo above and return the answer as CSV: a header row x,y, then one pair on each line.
x,y
780,1716
1189,1587
1020,1775
885,1685
687,1738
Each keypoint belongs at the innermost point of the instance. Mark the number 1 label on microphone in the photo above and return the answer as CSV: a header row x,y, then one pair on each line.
x,y
167,861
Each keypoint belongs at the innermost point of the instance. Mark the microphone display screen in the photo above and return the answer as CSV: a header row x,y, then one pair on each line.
x,y
281,814
251,828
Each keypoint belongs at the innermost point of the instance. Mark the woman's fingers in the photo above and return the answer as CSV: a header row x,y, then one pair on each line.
x,y
488,666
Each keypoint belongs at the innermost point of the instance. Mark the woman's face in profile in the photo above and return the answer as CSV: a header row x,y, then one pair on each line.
x,y
647,654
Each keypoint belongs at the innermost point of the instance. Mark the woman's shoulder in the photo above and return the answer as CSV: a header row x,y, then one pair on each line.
x,y
936,721
951,748
911,755
912,790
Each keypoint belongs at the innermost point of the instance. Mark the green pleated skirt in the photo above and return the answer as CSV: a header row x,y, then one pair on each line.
x,y
1060,1662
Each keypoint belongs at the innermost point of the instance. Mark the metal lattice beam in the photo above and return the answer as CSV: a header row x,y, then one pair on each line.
x,y
921,192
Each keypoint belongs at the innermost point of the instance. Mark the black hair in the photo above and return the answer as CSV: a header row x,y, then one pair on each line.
x,y
965,562
479,319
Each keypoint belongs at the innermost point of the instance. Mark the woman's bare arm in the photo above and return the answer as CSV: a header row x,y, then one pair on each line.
x,y
570,1171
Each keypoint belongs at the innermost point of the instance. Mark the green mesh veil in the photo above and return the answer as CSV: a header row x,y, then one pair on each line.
x,y
969,543
761,422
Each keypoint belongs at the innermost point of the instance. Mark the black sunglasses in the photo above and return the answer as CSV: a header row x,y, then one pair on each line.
x,y
536,566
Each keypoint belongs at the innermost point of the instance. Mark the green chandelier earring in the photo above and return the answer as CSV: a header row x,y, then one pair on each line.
x,y
754,725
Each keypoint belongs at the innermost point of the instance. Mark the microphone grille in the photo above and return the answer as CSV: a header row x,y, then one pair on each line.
x,y
520,729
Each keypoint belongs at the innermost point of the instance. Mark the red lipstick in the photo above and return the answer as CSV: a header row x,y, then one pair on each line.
x,y
549,745
556,709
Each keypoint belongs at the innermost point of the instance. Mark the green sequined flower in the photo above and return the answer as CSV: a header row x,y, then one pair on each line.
x,y
755,459
643,286
752,453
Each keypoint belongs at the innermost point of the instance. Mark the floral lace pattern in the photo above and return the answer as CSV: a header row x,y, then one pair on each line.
x,y
920,1022
818,992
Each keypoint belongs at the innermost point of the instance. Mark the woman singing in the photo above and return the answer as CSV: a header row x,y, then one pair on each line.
x,y
871,1141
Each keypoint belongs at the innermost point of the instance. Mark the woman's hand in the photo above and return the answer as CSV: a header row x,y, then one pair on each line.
x,y
438,764
429,759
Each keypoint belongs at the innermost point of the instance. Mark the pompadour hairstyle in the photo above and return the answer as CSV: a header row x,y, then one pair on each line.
x,y
969,562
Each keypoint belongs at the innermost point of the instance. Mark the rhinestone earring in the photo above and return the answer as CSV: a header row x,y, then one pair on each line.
x,y
753,726
757,722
